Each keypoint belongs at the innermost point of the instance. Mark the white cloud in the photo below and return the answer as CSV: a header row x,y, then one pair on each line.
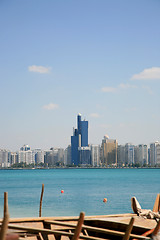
x,y
148,74
109,89
126,86
94,115
118,88
39,69
51,106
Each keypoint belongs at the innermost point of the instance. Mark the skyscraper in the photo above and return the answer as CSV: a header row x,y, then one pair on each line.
x,y
109,151
79,139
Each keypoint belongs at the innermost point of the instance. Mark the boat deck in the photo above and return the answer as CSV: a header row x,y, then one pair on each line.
x,y
94,227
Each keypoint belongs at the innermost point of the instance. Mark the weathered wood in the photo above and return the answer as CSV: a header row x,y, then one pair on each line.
x,y
79,226
5,203
128,230
156,207
39,219
41,199
39,236
4,225
47,231
157,228
92,229
85,232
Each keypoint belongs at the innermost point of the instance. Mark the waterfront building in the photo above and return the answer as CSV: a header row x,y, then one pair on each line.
x,y
39,156
95,155
4,158
13,158
67,156
143,154
26,155
84,155
79,139
21,157
129,154
54,157
48,157
121,155
109,151
149,158
25,148
153,154
158,154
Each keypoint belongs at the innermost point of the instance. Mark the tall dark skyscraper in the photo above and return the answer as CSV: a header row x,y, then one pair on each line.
x,y
79,139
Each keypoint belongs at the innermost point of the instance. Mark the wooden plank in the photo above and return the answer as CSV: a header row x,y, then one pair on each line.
x,y
128,230
157,228
40,205
36,219
95,229
47,231
4,225
99,228
79,226
156,207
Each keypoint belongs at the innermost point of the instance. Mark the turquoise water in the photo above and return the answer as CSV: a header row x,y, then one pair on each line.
x,y
84,190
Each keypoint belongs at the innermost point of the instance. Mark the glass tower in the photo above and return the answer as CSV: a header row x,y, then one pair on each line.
x,y
79,139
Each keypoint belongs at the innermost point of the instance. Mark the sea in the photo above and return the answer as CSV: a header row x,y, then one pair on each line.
x,y
84,190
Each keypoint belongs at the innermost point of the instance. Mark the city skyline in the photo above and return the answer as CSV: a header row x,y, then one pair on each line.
x,y
100,58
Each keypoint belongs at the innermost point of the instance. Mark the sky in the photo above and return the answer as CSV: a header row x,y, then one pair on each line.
x,y
58,58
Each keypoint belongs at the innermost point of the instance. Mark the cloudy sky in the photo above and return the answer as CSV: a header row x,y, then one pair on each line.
x,y
58,58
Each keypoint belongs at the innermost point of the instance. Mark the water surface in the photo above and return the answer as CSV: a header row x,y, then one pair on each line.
x,y
84,190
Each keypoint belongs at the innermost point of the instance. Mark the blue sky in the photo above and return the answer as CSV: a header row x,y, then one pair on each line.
x,y
58,58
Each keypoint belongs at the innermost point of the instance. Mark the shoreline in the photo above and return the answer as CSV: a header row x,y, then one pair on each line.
x,y
49,168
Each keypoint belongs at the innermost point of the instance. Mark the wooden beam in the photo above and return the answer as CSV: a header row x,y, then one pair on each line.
x,y
40,205
128,230
156,207
94,229
78,227
39,219
157,229
4,225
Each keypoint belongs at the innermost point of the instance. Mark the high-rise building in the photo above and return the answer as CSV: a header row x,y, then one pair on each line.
x,y
84,155
129,153
39,156
79,139
153,154
121,155
26,155
109,151
67,156
142,154
158,154
4,158
14,158
95,155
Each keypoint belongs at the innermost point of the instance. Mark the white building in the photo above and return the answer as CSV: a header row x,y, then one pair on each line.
x,y
129,153
153,153
4,161
121,155
39,156
25,155
95,155
143,154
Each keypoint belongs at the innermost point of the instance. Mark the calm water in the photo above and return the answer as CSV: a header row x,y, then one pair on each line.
x,y
84,190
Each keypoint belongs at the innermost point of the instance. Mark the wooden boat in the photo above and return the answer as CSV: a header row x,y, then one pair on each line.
x,y
121,226
94,227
